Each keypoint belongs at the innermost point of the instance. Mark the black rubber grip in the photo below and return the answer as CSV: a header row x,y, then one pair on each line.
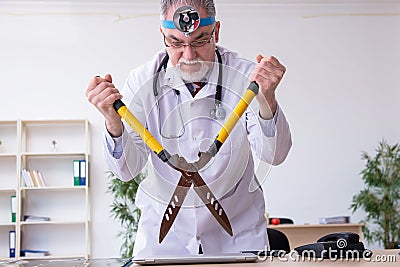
x,y
164,155
214,148
253,86
118,104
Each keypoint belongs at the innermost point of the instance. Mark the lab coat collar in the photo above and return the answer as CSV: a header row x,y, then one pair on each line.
x,y
172,79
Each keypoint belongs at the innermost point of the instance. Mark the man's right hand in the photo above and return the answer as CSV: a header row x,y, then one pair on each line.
x,y
102,93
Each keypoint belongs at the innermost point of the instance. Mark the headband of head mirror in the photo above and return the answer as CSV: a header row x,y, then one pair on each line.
x,y
187,20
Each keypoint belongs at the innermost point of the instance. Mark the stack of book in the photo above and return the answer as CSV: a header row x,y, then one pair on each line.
x,y
33,178
34,253
34,218
334,220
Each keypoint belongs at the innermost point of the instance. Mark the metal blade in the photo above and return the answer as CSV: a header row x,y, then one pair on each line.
x,y
174,206
211,202
204,158
180,164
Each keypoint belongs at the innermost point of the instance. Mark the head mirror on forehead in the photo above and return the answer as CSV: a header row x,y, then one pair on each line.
x,y
187,20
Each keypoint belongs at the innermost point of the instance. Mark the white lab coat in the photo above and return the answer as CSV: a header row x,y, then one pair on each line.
x,y
230,174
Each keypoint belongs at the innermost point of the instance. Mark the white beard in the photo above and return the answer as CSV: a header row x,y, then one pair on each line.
x,y
192,76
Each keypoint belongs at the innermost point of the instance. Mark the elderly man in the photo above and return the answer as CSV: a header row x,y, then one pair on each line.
x,y
183,96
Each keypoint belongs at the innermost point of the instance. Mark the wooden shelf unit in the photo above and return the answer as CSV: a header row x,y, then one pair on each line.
x,y
49,146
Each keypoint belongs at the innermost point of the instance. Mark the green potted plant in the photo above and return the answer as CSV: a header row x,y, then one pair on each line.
x,y
380,199
124,210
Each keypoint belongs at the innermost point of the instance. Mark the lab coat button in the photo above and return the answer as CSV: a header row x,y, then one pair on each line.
x,y
198,237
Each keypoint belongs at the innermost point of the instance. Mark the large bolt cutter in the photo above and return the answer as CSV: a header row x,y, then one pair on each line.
x,y
190,171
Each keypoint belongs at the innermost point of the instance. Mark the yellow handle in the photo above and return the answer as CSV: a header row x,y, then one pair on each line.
x,y
138,127
235,116
230,123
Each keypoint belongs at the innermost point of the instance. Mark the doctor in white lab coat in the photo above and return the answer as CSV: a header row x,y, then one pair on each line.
x,y
181,121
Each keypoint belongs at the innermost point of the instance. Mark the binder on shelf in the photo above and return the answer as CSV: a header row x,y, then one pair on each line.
x,y
12,241
76,165
82,172
13,209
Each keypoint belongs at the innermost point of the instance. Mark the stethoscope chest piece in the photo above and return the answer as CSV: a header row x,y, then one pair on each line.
x,y
218,113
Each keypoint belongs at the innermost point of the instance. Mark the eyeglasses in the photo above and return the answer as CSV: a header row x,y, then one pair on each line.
x,y
194,44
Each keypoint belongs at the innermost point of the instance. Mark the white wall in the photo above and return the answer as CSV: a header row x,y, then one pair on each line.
x,y
340,93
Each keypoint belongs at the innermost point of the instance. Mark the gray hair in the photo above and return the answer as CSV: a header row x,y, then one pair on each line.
x,y
208,5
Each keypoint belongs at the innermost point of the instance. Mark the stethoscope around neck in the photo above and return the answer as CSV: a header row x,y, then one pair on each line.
x,y
217,113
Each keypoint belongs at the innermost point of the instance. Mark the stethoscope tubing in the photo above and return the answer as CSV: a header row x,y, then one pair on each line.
x,y
218,90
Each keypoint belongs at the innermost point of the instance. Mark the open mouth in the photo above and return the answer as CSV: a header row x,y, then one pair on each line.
x,y
190,66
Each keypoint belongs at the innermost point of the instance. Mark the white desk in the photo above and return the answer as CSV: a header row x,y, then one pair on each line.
x,y
381,258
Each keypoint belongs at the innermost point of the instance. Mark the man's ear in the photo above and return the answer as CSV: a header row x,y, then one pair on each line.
x,y
160,29
217,26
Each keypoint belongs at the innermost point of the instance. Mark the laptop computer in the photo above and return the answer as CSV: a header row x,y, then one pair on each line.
x,y
195,259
